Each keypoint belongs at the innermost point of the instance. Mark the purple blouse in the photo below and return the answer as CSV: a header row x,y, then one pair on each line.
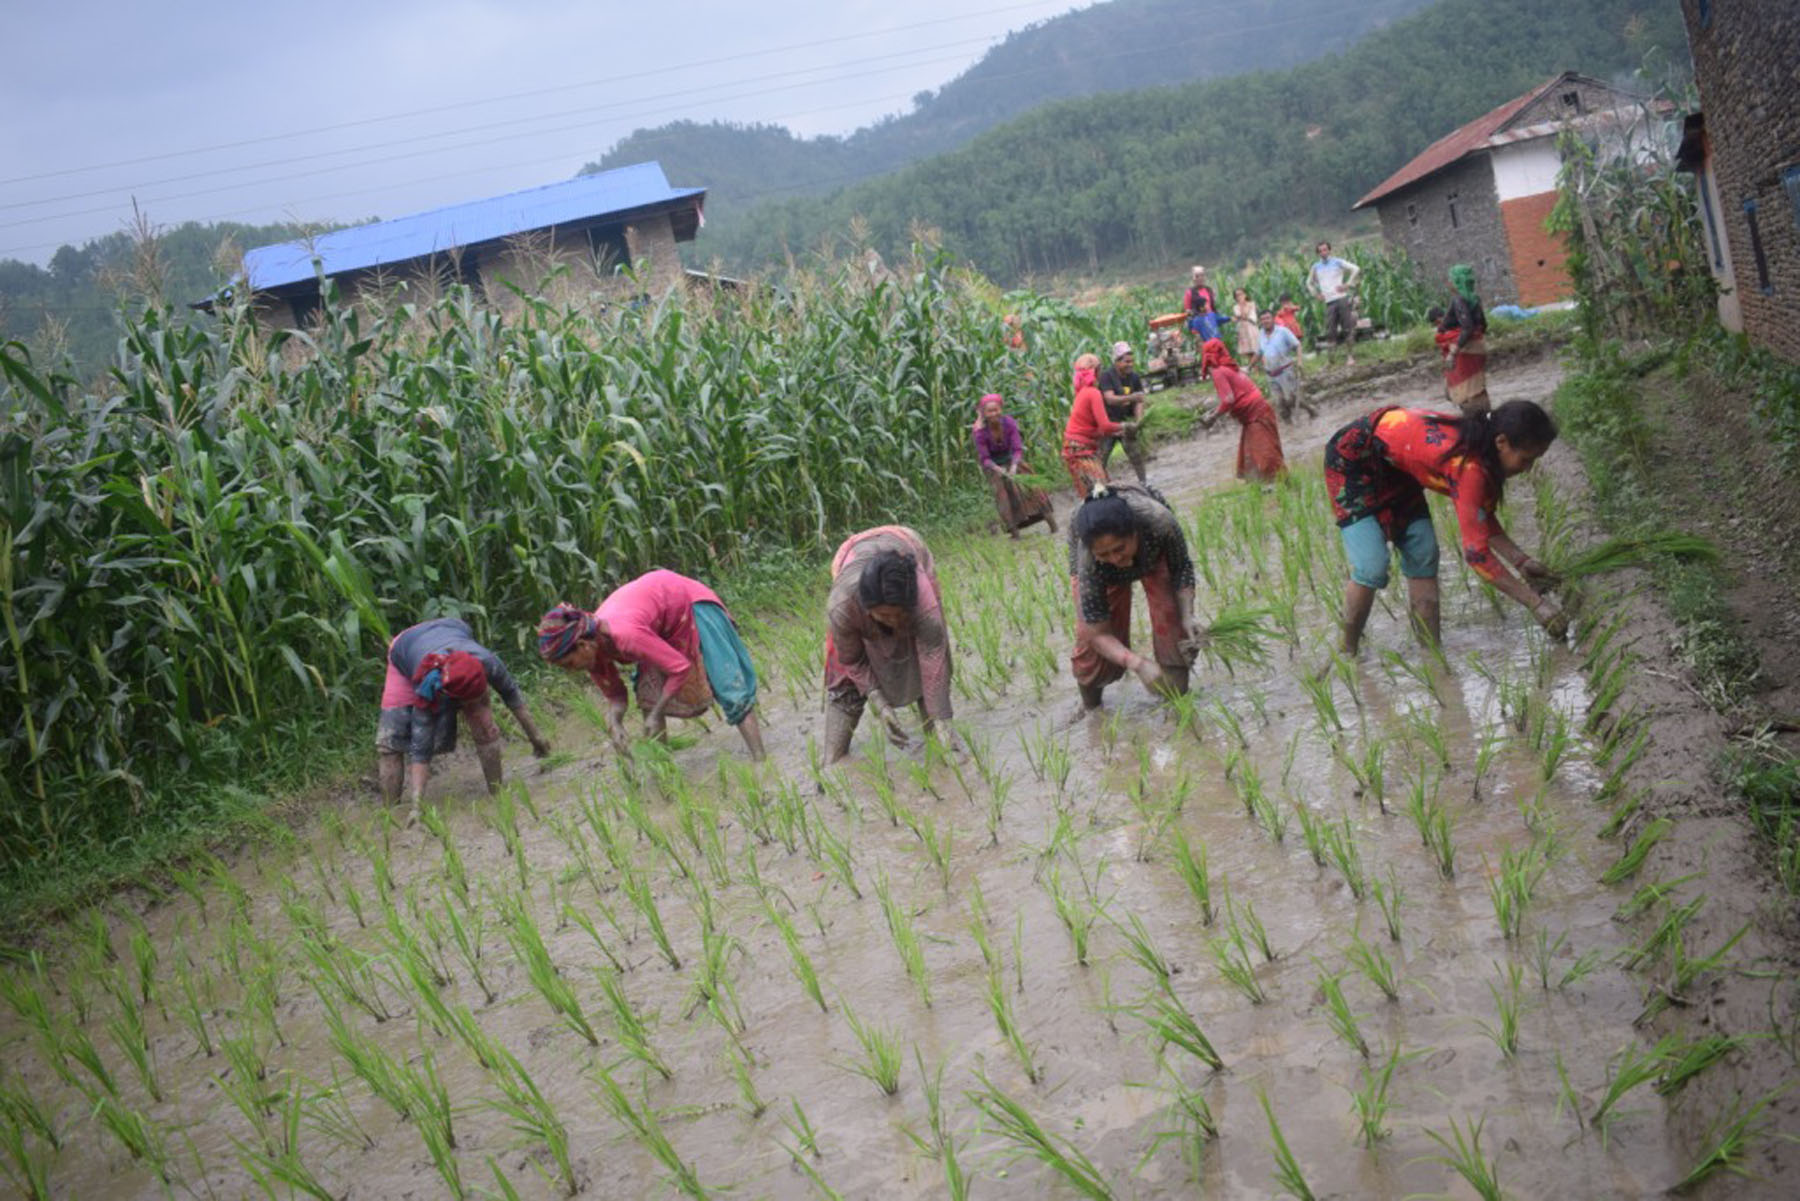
x,y
1002,451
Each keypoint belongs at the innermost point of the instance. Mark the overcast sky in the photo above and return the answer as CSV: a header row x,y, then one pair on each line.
x,y
344,110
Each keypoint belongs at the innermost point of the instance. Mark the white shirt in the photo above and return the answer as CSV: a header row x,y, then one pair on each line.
x,y
1328,277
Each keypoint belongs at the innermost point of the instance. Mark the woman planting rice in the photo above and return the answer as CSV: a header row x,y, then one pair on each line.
x,y
1002,455
682,641
1377,469
1259,446
436,670
1121,535
1088,422
887,646
1462,340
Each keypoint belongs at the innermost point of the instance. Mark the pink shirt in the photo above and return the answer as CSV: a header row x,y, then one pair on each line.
x,y
650,621
1238,395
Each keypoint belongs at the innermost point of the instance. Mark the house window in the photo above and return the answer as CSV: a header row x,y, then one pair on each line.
x,y
1756,249
1712,219
306,308
1572,101
1790,181
1453,198
1412,214
607,245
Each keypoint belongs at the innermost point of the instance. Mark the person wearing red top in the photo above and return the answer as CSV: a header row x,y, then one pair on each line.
x,y
1377,469
1259,445
677,633
1087,423
1288,313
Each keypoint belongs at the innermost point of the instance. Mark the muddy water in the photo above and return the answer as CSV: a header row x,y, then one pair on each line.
x,y
1102,1087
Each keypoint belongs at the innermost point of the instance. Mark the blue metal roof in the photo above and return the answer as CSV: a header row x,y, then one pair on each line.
x,y
386,243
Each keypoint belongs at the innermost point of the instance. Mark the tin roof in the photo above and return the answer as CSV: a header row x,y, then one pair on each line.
x,y
581,200
1484,131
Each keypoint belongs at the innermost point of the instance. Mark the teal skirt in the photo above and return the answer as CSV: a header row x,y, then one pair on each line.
x,y
727,662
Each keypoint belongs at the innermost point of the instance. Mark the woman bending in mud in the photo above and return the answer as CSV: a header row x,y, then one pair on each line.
x,y
682,641
1462,340
1259,445
1001,452
886,646
435,671
1377,469
1121,535
1088,423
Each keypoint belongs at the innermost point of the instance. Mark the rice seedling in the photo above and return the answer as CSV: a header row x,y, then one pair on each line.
x,y
1442,842
1312,831
1684,970
801,1127
528,944
1630,1069
713,988
1373,963
1511,888
144,1140
636,886
1235,638
880,1060
1164,1015
1389,897
798,961
905,937
129,1036
942,1145
1233,959
1190,865
1141,949
1583,967
74,1043
1342,850
1370,1102
1462,1154
23,1166
1009,1118
642,1121
1338,1014
1001,1006
1729,1139
1288,1176
1317,687
1076,912
1634,855
1509,1003
1615,554
1622,813
1665,936
629,1026
1687,1060
1192,1125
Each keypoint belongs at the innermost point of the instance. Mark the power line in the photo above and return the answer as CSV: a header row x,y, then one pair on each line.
x,y
463,104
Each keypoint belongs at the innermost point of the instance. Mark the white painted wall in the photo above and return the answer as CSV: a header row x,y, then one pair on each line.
x,y
1526,168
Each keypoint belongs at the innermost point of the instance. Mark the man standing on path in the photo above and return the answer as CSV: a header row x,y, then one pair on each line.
x,y
1332,280
1281,360
1122,390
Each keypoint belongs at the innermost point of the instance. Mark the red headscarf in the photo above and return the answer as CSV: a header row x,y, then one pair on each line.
x,y
1213,354
457,675
981,417
1084,378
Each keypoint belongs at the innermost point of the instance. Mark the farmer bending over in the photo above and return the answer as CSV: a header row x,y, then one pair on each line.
x,y
436,670
886,646
682,641
1377,469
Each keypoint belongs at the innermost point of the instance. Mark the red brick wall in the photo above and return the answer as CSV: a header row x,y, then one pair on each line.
x,y
1537,256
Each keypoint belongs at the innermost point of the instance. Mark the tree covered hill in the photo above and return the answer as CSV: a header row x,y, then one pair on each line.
x,y
1216,167
1120,45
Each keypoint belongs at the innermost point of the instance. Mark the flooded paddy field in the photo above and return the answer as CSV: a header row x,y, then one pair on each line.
x,y
1374,928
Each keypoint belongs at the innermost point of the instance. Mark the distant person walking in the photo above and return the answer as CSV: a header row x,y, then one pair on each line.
x,y
1243,315
1462,340
1001,452
1122,389
1333,280
1259,445
1088,423
1280,351
1202,307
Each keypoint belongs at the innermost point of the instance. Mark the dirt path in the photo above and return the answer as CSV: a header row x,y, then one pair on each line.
x,y
1034,887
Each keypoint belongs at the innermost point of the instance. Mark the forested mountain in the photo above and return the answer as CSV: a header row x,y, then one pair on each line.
x,y
71,304
1217,167
1121,45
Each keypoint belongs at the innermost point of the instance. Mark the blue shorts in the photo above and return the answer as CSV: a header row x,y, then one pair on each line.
x,y
1366,545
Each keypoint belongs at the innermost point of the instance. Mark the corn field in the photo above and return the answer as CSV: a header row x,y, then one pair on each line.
x,y
203,555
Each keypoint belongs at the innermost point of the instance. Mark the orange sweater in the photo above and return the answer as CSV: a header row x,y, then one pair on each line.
x,y
1088,419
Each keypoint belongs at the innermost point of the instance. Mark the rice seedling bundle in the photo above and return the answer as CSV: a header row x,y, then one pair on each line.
x,y
1615,554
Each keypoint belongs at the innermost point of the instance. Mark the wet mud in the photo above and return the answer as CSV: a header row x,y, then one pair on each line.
x,y
298,956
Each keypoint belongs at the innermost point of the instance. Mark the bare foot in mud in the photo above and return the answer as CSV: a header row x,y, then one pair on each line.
x,y
1077,715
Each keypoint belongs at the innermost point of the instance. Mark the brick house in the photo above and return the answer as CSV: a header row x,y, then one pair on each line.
x,y
1480,195
1745,151
565,240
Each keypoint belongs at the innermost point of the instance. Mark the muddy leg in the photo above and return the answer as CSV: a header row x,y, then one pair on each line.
x,y
1134,452
391,771
840,725
1358,602
752,732
416,776
487,743
1422,595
